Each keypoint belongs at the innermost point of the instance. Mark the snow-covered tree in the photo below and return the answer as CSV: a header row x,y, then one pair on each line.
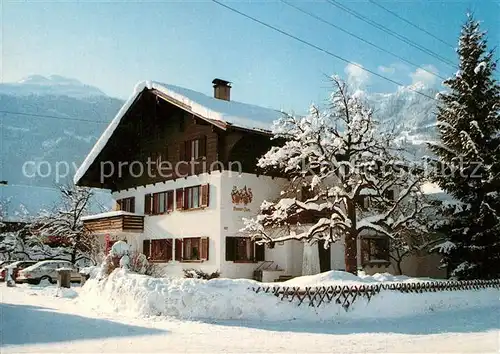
x,y
356,180
63,229
469,158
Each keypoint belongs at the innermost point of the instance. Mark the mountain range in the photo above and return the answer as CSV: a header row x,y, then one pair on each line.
x,y
58,120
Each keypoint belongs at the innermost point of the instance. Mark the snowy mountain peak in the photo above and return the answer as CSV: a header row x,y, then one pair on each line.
x,y
54,85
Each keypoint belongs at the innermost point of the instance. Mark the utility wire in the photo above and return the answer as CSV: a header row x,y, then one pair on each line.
x,y
52,117
392,33
412,24
318,48
360,38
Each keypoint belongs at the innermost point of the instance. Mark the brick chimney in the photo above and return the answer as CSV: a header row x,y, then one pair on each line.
x,y
222,89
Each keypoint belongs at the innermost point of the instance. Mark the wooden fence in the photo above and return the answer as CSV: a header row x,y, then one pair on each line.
x,y
347,295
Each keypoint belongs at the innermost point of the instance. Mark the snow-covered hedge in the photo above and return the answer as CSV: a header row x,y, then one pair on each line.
x,y
140,295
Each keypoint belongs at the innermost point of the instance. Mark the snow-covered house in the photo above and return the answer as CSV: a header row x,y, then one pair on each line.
x,y
182,168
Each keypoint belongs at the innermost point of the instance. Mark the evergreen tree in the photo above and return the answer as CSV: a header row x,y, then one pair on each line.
x,y
469,158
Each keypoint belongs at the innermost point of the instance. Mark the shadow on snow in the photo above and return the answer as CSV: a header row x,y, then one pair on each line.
x,y
24,324
460,321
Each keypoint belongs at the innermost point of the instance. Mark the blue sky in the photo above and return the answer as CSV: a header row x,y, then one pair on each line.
x,y
115,44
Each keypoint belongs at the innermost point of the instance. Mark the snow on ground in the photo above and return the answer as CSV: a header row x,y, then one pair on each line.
x,y
333,278
228,299
35,321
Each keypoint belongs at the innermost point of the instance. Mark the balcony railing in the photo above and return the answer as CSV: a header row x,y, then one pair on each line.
x,y
114,222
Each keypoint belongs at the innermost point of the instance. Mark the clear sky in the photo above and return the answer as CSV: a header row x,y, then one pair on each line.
x,y
115,44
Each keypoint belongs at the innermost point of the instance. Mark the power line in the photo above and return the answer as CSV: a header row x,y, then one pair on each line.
x,y
360,38
53,117
412,24
392,33
318,48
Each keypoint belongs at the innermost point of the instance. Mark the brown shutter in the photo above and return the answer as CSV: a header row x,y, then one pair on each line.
x,y
146,250
230,248
169,202
132,204
119,204
147,204
168,247
155,203
182,151
205,195
179,199
178,249
260,253
154,250
204,248
202,146
186,203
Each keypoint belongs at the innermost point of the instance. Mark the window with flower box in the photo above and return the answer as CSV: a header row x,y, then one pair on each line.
x,y
244,249
191,249
159,203
193,197
159,250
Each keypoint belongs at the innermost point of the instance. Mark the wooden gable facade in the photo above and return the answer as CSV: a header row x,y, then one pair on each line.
x,y
161,129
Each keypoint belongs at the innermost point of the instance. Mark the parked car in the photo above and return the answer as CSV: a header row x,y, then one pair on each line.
x,y
17,267
3,269
46,270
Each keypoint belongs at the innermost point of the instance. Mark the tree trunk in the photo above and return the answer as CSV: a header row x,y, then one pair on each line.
x,y
351,251
398,267
351,242
73,255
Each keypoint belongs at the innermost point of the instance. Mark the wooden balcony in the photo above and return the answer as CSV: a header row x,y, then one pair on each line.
x,y
116,221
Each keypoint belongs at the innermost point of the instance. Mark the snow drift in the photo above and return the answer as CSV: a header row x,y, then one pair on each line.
x,y
222,299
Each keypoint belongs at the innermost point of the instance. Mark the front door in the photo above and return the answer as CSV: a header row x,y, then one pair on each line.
x,y
324,257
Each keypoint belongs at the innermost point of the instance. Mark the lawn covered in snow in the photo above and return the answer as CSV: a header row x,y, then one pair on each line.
x,y
232,299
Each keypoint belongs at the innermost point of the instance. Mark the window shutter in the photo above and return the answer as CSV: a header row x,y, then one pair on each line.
x,y
179,199
204,247
132,205
260,253
119,204
168,247
202,146
178,249
147,204
182,151
154,250
146,244
170,200
186,203
230,248
205,195
155,203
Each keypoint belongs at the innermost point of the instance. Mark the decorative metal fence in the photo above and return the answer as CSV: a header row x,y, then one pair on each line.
x,y
347,295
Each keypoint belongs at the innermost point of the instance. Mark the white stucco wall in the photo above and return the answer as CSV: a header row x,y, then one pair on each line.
x,y
222,218
180,224
262,188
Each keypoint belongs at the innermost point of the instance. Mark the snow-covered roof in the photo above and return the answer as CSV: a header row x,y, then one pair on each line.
x,y
227,113
108,214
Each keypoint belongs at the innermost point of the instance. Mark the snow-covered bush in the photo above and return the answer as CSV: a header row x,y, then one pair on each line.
x,y
199,274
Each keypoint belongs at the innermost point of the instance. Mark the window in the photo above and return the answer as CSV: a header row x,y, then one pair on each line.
x,y
193,149
243,249
192,197
159,203
191,249
126,204
375,249
158,250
